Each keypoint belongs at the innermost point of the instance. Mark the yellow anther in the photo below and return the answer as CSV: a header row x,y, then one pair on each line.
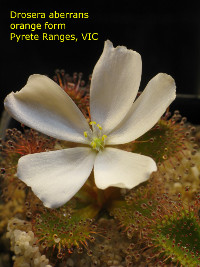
x,y
95,137
92,122
103,137
93,144
100,128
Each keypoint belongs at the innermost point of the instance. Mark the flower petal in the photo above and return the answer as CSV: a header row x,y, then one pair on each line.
x,y
44,106
114,85
56,176
146,110
115,167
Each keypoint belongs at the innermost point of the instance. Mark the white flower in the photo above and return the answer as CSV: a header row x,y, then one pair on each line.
x,y
56,176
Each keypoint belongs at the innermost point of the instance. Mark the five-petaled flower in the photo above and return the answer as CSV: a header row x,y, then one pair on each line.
x,y
56,176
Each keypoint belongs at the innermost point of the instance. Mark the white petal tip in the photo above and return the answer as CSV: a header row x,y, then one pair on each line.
x,y
52,205
169,81
8,99
120,48
108,43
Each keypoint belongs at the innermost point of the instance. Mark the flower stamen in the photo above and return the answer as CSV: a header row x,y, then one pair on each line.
x,y
103,137
93,123
95,138
93,144
100,128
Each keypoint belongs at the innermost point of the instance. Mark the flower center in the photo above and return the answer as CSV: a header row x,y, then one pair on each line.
x,y
95,138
